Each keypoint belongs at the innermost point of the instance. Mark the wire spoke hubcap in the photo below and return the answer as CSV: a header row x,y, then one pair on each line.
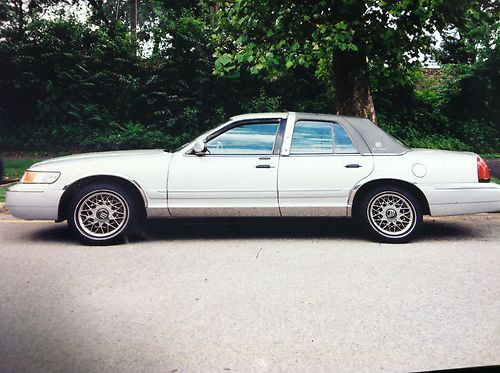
x,y
392,214
102,214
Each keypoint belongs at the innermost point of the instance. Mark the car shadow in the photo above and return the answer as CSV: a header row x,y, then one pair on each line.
x,y
250,228
54,233
265,228
289,228
451,230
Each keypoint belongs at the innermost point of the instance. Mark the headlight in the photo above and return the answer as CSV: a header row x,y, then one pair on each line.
x,y
40,177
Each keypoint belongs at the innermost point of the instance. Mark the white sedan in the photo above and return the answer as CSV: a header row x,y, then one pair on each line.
x,y
271,164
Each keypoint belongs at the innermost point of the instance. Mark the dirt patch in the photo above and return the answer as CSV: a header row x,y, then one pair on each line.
x,y
3,209
8,181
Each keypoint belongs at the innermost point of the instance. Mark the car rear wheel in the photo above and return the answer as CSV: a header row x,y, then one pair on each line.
x,y
103,214
390,214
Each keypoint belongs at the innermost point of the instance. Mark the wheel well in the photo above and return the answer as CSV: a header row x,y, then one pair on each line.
x,y
70,191
391,182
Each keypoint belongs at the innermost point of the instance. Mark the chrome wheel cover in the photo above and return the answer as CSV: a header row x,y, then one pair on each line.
x,y
101,214
391,214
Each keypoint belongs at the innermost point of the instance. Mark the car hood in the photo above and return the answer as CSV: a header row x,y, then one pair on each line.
x,y
148,168
101,156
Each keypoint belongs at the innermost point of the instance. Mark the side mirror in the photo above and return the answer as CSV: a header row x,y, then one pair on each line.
x,y
199,148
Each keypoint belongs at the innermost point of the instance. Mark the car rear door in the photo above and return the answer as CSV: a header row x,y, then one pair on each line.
x,y
237,176
319,167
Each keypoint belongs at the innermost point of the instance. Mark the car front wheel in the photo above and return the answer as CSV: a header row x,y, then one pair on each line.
x,y
390,214
103,214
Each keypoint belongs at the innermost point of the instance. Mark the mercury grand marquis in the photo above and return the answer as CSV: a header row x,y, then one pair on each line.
x,y
267,164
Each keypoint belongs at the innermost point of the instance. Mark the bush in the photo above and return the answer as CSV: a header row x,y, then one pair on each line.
x,y
68,86
133,136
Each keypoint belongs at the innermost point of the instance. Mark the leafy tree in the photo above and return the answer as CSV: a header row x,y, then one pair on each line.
x,y
340,39
474,37
16,14
75,85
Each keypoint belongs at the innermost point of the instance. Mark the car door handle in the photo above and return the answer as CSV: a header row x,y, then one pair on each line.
x,y
264,166
353,165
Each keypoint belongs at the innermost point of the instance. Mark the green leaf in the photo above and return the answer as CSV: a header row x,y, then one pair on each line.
x,y
224,59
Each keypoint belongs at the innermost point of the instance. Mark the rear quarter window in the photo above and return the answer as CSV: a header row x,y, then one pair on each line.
x,y
320,137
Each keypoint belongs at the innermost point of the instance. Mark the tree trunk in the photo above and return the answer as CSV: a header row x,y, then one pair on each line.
x,y
18,6
133,17
213,9
352,88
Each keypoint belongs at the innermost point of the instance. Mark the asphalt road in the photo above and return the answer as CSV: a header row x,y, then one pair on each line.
x,y
250,295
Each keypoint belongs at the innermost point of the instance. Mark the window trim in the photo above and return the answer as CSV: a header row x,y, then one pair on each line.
x,y
331,122
280,137
232,125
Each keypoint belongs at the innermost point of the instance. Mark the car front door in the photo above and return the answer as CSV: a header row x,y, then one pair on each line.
x,y
236,175
318,169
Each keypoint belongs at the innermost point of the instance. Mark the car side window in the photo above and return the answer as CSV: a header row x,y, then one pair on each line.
x,y
311,137
245,139
342,142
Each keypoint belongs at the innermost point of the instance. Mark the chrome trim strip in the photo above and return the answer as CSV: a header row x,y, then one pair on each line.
x,y
143,194
287,141
162,212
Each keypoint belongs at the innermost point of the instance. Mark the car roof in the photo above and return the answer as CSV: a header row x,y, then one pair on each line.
x,y
284,115
259,116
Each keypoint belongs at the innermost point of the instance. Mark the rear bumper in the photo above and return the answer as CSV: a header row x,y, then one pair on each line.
x,y
33,202
464,198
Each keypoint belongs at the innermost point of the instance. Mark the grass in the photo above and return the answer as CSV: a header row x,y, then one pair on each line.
x,y
490,155
14,169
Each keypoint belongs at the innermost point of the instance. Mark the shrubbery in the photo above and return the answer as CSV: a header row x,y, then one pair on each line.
x,y
69,87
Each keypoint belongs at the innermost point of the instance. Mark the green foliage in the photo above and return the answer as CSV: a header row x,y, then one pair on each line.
x,y
270,37
474,38
431,117
14,168
262,103
71,86
490,155
83,86
133,136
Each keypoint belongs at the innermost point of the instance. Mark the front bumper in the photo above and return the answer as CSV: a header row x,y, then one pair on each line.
x,y
33,201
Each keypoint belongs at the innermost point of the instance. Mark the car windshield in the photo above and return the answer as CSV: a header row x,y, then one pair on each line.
x,y
176,149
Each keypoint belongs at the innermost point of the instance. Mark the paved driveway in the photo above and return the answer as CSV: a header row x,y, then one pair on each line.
x,y
250,295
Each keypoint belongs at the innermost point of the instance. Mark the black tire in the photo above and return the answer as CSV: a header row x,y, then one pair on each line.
x,y
390,214
104,213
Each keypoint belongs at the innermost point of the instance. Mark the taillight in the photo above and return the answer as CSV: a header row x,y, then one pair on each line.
x,y
483,172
